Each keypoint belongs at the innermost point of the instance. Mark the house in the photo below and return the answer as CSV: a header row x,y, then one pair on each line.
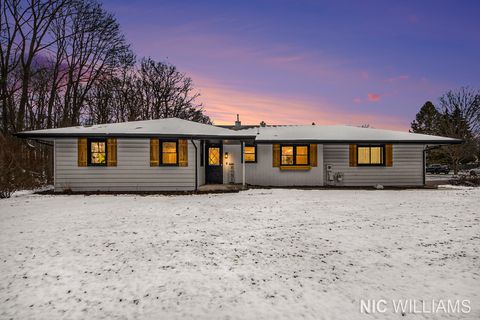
x,y
180,155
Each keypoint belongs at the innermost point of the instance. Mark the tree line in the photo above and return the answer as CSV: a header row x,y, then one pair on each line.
x,y
66,63
456,115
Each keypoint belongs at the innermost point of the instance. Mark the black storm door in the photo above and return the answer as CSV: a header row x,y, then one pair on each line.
x,y
213,164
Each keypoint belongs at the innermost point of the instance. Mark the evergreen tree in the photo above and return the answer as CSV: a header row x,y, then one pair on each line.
x,y
458,117
454,124
427,120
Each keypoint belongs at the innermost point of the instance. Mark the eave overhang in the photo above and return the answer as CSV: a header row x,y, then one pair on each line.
x,y
308,141
31,135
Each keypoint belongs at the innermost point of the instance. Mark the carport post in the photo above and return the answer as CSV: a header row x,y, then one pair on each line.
x,y
243,164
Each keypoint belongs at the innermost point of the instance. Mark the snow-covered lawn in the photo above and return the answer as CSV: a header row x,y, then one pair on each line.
x,y
255,254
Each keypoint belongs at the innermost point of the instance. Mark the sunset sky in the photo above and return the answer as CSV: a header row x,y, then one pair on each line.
x,y
297,62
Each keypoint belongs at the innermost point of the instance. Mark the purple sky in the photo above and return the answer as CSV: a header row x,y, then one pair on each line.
x,y
342,62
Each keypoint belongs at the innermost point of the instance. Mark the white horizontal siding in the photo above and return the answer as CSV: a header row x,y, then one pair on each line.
x,y
234,162
263,173
407,169
132,173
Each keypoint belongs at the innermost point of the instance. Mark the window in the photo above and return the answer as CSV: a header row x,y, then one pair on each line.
x,y
301,155
213,156
371,155
169,153
97,152
294,155
250,154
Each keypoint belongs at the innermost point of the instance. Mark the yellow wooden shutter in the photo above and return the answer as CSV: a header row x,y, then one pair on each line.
x,y
82,152
154,152
353,155
389,155
276,155
183,153
111,152
313,155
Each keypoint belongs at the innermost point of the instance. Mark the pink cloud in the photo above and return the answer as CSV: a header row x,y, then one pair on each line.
x,y
373,97
357,100
223,102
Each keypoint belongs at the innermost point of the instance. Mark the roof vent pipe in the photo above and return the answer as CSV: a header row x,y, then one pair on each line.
x,y
238,123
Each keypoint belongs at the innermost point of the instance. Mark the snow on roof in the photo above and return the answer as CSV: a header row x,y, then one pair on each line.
x,y
172,127
337,133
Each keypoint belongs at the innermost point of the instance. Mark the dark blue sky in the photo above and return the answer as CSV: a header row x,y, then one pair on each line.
x,y
348,62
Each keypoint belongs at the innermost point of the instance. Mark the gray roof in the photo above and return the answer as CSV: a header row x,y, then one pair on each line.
x,y
340,134
170,127
178,128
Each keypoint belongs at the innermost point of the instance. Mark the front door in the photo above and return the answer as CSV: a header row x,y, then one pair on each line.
x,y
213,168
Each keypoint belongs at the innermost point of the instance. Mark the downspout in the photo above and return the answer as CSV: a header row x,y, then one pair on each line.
x,y
196,164
243,164
424,163
425,149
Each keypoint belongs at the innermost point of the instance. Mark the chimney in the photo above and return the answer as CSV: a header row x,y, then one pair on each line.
x,y
238,123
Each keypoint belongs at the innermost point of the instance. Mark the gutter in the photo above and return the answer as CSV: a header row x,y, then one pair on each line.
x,y
433,148
41,142
31,135
308,141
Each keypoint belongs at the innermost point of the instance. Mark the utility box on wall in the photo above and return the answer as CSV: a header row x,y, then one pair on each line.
x,y
332,176
339,176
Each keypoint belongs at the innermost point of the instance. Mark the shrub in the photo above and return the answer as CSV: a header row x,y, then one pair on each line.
x,y
15,173
466,180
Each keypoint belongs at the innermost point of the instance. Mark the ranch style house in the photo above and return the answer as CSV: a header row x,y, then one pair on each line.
x,y
179,155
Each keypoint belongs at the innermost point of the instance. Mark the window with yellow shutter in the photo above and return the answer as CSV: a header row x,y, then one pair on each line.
x,y
169,152
371,155
294,155
97,152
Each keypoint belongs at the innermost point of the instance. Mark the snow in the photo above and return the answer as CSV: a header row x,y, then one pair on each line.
x,y
262,253
22,193
341,134
175,127
170,127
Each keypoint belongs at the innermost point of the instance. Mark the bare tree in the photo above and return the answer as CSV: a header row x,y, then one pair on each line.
x,y
10,48
31,20
168,93
466,102
153,90
65,62
92,52
460,118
